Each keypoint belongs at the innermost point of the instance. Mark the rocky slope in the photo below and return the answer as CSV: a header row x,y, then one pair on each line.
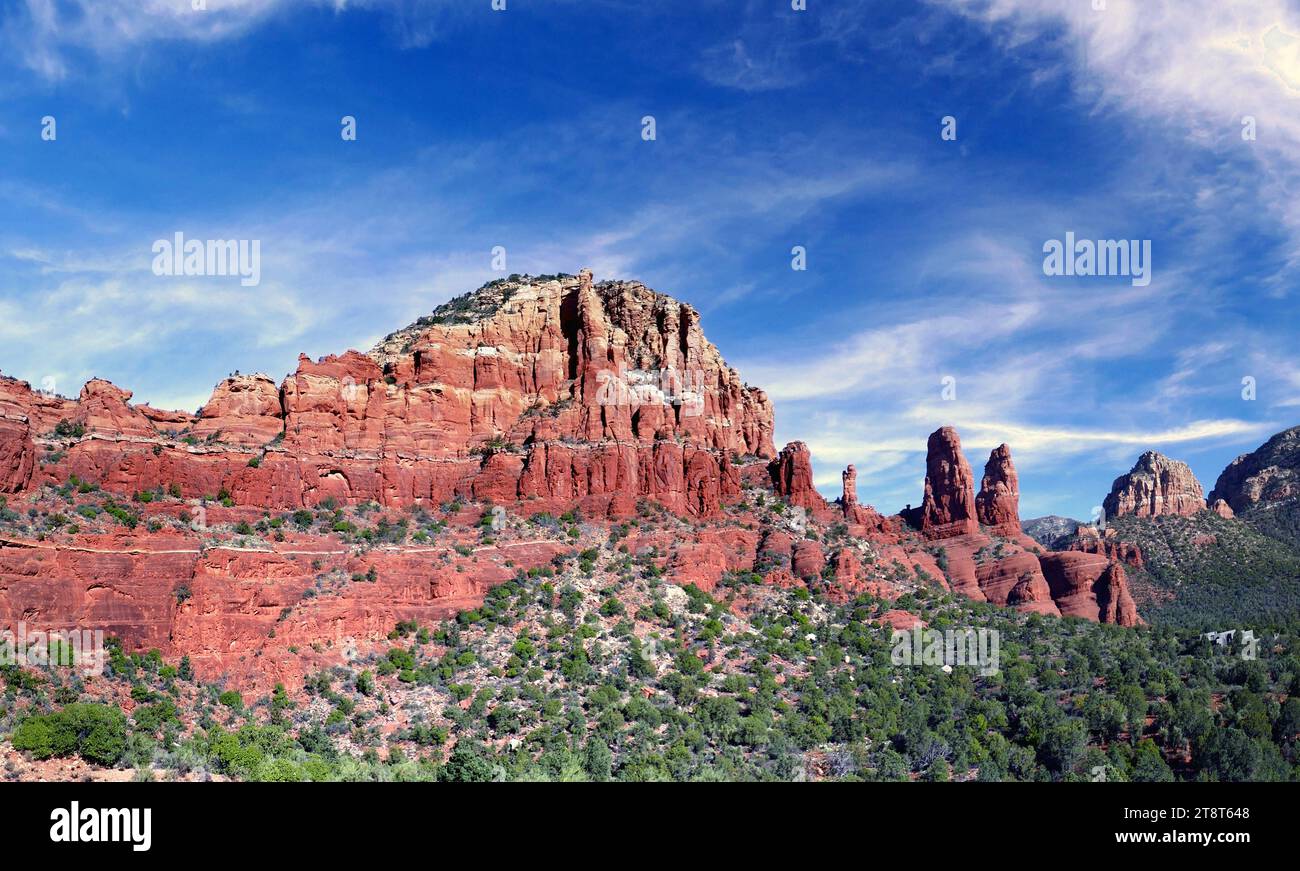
x,y
1264,486
1207,563
1050,529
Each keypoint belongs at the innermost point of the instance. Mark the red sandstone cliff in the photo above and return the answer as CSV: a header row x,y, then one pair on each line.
x,y
792,477
561,391
542,395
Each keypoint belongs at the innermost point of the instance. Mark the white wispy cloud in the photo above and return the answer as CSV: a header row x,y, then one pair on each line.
x,y
1197,67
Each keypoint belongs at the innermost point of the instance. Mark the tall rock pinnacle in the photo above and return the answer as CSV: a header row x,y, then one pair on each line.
x,y
792,477
949,506
998,501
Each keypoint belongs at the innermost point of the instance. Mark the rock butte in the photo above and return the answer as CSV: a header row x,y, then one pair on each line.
x,y
539,394
1155,486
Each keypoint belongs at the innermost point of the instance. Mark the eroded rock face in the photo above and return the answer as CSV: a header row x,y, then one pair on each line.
x,y
948,508
105,409
849,491
568,358
1223,509
808,559
17,455
998,501
562,390
1090,586
1155,486
864,519
1089,540
1017,581
24,416
244,410
17,452
1269,474
792,477
233,611
535,395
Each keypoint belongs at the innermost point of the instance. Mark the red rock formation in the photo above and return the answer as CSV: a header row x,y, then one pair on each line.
x,y
1016,580
17,453
1114,601
710,555
244,410
104,409
1089,586
776,545
1223,509
220,606
949,505
534,395
700,564
901,620
849,495
998,501
1108,544
1156,485
807,559
571,392
792,477
864,519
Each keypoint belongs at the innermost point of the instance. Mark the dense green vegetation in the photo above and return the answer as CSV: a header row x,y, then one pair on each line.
x,y
595,668
1208,573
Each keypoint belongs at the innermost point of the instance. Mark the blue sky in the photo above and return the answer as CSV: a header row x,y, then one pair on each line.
x,y
775,127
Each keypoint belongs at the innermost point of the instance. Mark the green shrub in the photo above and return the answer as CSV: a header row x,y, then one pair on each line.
x,y
95,732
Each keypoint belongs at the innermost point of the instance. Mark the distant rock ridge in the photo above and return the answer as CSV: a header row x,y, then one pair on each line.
x,y
1050,529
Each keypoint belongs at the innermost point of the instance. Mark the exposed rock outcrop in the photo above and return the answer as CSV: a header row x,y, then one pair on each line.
x,y
792,477
542,395
998,501
1268,475
863,519
948,508
238,608
1089,586
1155,486
105,409
1089,539
808,559
559,390
244,410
